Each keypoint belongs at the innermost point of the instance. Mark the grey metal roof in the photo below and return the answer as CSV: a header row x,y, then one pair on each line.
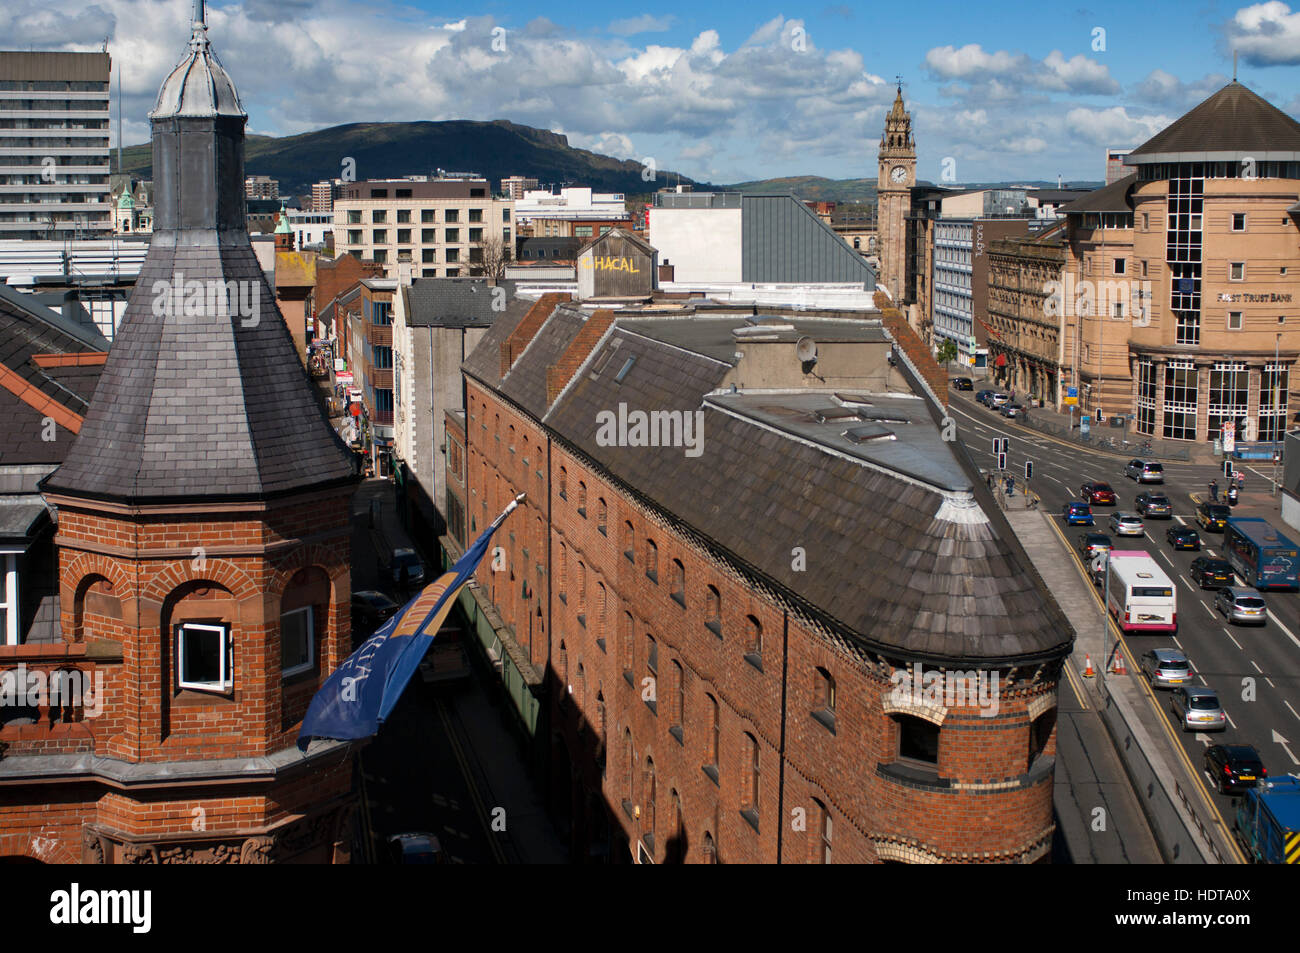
x,y
202,406
783,240
906,565
18,514
460,302
1233,123
198,87
710,334
484,362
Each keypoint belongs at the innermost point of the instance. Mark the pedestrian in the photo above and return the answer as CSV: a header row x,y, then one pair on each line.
x,y
1214,490
1232,494
1241,479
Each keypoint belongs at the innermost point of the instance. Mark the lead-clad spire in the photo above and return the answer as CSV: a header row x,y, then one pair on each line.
x,y
198,86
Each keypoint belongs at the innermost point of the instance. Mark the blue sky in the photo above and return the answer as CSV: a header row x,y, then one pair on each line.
x,y
721,92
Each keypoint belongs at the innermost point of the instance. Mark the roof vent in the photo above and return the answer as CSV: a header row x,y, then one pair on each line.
x,y
618,378
824,415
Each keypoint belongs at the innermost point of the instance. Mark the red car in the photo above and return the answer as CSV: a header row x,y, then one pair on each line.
x,y
1098,494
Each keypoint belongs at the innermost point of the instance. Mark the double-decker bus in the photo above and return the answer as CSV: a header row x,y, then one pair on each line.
x,y
1141,596
1260,554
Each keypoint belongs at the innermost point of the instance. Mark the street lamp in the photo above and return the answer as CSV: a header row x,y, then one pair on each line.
x,y
1277,399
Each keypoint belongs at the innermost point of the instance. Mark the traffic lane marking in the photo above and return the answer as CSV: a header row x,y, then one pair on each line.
x,y
1278,623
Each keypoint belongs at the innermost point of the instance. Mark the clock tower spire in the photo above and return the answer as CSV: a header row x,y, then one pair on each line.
x,y
897,175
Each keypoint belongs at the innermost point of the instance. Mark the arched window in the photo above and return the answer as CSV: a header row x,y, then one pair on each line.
x,y
714,737
629,764
678,713
749,792
713,611
562,563
625,646
582,499
652,560
918,739
754,642
602,516
821,831
675,851
565,687
648,812
679,583
629,542
582,593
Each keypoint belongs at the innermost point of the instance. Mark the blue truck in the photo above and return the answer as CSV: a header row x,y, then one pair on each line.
x,y
1268,821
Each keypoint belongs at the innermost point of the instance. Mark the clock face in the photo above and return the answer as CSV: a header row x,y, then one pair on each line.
x,y
898,174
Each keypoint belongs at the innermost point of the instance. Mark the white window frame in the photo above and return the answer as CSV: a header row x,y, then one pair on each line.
x,y
1232,222
1233,264
226,682
311,648
9,601
1241,320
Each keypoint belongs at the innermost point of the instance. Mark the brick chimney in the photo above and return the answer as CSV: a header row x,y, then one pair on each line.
x,y
523,333
561,372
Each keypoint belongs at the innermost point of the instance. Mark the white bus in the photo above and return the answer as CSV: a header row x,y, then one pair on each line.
x,y
1142,597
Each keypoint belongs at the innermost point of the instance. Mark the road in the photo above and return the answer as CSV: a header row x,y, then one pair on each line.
x,y
1256,671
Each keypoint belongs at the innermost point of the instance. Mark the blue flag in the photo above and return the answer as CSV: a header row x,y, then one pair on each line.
x,y
362,692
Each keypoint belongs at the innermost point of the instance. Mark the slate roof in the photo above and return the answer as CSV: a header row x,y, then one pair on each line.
x,y
1233,123
1110,198
904,563
459,302
202,406
484,362
525,383
28,328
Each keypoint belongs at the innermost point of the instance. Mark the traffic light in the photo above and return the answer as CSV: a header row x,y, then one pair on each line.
x,y
1227,468
1002,461
1029,469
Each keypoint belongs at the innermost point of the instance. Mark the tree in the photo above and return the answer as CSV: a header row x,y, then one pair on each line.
x,y
491,259
947,352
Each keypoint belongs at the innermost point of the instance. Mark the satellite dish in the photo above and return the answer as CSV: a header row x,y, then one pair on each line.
x,y
806,349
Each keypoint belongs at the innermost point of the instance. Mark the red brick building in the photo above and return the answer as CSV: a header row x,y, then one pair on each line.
x,y
203,556
723,599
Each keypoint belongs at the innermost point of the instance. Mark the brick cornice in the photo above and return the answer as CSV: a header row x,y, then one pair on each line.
x,y
187,552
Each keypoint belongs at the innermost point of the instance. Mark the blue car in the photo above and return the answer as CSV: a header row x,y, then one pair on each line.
x,y
1077,514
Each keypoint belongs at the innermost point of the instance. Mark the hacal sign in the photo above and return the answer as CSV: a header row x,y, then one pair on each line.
x,y
610,263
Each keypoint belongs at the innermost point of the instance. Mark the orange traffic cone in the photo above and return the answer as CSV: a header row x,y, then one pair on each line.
x,y
1087,671
1118,667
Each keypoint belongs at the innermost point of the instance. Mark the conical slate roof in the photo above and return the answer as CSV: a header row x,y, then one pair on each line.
x,y
203,396
1232,124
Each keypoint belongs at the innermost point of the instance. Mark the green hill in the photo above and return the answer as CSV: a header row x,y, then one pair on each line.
x,y
495,149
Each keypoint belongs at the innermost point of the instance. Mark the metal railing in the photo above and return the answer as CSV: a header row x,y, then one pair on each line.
x,y
1146,447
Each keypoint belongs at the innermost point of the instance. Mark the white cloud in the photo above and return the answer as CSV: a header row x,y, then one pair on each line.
x,y
1005,75
1266,34
1114,126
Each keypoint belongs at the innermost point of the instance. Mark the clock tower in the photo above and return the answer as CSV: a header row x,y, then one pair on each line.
x,y
897,161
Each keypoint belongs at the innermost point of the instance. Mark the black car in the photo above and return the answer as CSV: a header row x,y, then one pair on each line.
x,y
963,383
1233,767
983,397
1211,573
1183,537
370,610
1213,517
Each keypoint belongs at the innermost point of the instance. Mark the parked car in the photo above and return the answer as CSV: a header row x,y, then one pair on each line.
x,y
1183,537
1212,517
1154,505
1098,494
1234,767
446,659
1166,668
1198,709
1013,410
416,848
370,610
1090,544
406,568
1126,524
997,399
1145,471
963,383
1210,573
1241,604
1077,514
983,397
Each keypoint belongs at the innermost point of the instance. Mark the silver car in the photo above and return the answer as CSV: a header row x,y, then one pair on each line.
x,y
1198,709
1126,524
1145,471
1166,668
997,399
1241,604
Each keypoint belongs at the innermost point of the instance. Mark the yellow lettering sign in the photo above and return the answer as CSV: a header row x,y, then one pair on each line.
x,y
610,263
